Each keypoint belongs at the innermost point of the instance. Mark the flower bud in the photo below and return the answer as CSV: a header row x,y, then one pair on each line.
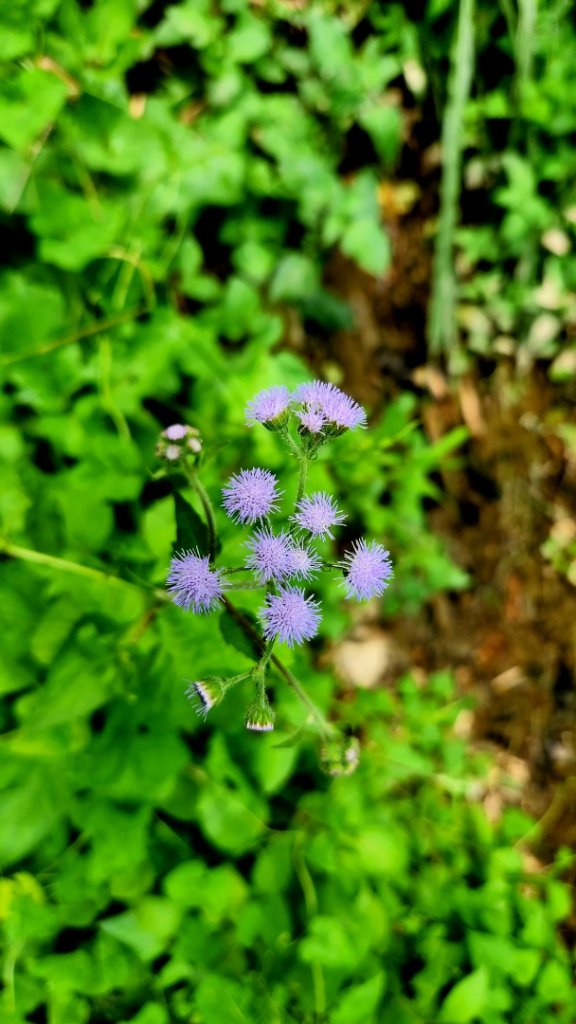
x,y
260,716
340,755
209,692
179,440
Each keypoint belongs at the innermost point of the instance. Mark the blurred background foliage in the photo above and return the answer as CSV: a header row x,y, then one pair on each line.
x,y
174,182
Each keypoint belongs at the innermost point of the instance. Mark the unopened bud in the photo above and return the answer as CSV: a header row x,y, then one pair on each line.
x,y
209,692
260,716
178,440
340,755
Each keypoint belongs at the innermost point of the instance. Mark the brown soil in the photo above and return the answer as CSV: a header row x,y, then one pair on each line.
x,y
511,637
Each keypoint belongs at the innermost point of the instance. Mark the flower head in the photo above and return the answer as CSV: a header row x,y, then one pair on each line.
x,y
290,616
176,432
172,452
367,569
193,584
268,405
177,441
318,513
271,555
250,495
337,408
312,419
304,563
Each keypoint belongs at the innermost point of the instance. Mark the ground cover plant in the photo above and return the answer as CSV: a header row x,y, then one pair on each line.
x,y
174,179
278,557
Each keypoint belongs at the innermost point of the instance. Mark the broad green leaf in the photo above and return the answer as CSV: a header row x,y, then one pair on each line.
x,y
366,243
191,530
384,126
29,103
235,635
467,1000
29,812
357,1004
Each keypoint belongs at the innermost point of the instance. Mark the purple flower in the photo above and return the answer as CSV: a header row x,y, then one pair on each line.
x,y
317,514
367,569
304,563
176,432
312,419
337,408
268,405
290,616
250,495
271,555
193,584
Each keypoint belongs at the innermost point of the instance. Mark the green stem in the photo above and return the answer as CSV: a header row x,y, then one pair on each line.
x,y
63,565
245,585
302,476
266,655
323,725
200,490
311,903
71,339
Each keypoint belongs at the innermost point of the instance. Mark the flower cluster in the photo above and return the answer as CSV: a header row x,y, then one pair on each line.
x,y
177,441
282,558
322,409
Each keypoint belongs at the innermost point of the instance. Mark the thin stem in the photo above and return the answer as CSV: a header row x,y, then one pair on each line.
x,y
71,339
266,655
198,486
324,726
311,903
245,585
289,441
302,476
63,565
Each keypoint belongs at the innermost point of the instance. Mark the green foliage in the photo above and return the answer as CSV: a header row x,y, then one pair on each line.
x,y
511,291
172,178
336,906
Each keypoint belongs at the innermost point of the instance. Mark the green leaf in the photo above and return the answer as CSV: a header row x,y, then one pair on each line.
x,y
151,1013
227,821
234,635
330,943
296,277
366,243
29,102
357,1004
467,1000
555,982
384,126
29,812
191,531
147,929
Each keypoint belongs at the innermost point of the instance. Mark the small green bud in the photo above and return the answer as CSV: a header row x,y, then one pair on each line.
x,y
260,716
340,755
210,692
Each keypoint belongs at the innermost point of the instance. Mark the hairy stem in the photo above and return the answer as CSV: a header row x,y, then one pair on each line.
x,y
302,476
266,655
